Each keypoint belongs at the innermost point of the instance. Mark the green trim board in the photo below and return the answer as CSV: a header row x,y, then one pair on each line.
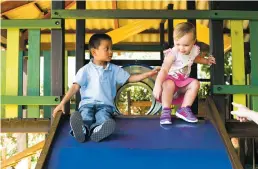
x,y
20,82
33,87
155,14
31,23
235,89
254,59
30,100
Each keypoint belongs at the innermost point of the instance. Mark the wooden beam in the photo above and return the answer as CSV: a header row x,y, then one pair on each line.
x,y
8,6
49,141
238,129
114,6
214,117
4,17
26,153
3,39
141,103
38,7
30,125
69,4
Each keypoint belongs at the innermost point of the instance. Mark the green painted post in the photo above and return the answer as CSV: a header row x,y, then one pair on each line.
x,y
254,59
47,81
34,70
20,82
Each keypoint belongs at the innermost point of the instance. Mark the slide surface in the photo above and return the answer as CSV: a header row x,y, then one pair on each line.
x,y
140,143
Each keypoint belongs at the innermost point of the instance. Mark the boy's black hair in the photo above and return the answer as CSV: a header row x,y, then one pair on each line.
x,y
95,40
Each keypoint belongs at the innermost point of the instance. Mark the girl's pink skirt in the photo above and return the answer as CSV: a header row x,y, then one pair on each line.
x,y
178,100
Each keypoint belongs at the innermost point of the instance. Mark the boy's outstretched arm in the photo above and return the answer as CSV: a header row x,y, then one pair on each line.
x,y
139,77
74,89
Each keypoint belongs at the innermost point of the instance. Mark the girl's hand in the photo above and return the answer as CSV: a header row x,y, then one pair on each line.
x,y
211,60
157,92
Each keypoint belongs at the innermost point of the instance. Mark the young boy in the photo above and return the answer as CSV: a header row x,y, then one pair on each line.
x,y
97,82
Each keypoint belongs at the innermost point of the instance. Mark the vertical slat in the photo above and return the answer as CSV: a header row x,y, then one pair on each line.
x,y
238,67
3,79
170,28
254,59
80,47
217,49
162,38
57,55
191,6
12,63
34,71
20,81
47,81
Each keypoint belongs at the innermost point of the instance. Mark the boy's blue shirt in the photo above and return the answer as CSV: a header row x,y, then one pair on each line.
x,y
98,85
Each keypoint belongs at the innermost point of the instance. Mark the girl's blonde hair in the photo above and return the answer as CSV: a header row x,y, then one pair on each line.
x,y
182,29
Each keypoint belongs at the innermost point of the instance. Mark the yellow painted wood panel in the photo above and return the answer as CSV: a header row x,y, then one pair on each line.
x,y
238,64
2,74
12,58
133,28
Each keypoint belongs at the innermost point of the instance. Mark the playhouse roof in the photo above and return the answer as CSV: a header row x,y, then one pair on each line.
x,y
42,10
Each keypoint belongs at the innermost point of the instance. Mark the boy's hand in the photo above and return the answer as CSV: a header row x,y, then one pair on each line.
x,y
243,113
211,60
154,71
58,108
157,92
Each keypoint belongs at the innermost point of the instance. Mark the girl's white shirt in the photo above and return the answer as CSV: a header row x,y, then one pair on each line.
x,y
181,64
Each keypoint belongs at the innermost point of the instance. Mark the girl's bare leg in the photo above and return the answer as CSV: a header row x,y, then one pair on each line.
x,y
167,95
185,112
191,93
168,87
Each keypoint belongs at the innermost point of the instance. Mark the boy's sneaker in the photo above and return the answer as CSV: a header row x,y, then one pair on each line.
x,y
165,118
77,125
104,130
186,114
